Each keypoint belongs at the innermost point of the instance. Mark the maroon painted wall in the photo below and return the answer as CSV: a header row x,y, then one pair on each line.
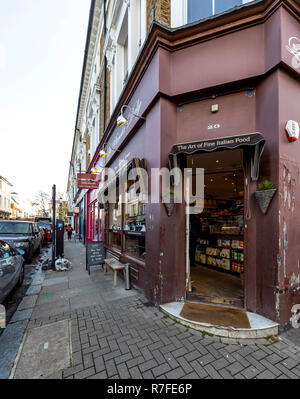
x,y
289,187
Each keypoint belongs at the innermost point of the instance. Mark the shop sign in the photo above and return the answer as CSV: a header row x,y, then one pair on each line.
x,y
253,141
215,144
95,254
88,181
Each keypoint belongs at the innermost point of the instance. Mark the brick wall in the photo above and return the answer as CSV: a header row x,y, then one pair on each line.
x,y
162,12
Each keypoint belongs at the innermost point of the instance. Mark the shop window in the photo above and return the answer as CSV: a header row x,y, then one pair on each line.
x,y
96,223
115,216
126,224
134,225
115,225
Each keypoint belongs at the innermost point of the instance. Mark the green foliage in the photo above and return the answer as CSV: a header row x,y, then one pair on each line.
x,y
266,185
166,193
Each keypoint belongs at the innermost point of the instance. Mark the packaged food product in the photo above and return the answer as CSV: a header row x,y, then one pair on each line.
x,y
225,253
212,251
203,258
226,243
225,263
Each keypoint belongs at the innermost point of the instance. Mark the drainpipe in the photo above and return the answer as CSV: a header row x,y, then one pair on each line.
x,y
105,65
153,13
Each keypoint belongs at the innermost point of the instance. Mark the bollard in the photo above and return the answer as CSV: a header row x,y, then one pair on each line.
x,y
2,317
127,277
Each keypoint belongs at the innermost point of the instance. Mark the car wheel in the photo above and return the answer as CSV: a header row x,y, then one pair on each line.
x,y
21,277
30,255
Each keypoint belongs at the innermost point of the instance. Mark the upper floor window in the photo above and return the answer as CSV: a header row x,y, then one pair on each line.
x,y
188,11
205,8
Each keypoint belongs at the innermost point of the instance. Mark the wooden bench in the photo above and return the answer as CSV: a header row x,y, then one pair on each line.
x,y
115,265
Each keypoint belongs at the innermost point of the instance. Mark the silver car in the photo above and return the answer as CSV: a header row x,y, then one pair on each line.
x,y
11,269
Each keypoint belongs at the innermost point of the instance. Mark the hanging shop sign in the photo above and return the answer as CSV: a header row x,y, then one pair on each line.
x,y
254,142
88,181
292,130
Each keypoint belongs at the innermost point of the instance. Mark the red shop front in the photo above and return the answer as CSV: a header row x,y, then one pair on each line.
x,y
94,218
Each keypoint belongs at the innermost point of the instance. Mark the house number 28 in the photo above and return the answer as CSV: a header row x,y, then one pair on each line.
x,y
211,127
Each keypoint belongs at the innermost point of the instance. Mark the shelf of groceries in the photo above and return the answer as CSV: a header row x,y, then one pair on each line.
x,y
226,254
222,243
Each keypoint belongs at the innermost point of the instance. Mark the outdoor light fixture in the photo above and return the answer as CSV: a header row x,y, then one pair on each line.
x,y
121,121
103,154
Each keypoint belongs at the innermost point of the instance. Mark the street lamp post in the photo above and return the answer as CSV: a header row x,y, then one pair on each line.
x,y
54,225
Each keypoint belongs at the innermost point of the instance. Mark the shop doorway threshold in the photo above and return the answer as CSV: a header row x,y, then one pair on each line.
x,y
258,326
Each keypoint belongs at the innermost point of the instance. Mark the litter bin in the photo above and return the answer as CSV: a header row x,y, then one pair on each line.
x,y
127,277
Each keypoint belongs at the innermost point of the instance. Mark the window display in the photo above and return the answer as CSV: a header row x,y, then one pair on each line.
x,y
134,224
115,216
126,225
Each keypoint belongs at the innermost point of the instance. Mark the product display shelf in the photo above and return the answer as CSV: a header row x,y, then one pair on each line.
x,y
233,262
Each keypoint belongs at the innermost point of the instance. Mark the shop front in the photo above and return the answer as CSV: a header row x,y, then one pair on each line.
x,y
215,99
95,218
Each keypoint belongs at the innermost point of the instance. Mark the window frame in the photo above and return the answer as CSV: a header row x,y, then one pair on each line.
x,y
179,12
122,233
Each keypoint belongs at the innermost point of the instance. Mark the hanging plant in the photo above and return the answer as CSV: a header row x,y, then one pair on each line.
x,y
264,195
169,202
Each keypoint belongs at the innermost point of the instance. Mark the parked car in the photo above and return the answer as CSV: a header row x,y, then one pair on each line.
x,y
42,219
22,235
11,269
49,227
44,234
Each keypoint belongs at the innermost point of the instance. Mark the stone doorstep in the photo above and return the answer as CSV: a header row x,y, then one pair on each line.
x,y
270,328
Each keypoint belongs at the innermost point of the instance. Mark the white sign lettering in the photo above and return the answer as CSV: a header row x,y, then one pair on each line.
x,y
212,127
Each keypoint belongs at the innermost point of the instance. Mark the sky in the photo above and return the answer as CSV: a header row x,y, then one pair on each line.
x,y
42,46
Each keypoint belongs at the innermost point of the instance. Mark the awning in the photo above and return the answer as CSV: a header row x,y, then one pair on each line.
x,y
253,142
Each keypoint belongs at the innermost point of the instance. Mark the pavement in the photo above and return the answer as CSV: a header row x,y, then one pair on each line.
x,y
78,326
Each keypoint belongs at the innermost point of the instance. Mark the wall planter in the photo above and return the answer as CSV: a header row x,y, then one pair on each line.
x,y
169,202
264,195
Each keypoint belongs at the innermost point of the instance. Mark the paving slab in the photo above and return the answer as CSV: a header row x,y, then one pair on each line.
x,y
20,315
55,280
79,301
34,289
10,341
54,288
46,349
28,302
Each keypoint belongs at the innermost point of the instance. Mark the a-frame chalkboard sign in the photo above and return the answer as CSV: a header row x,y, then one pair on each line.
x,y
95,254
